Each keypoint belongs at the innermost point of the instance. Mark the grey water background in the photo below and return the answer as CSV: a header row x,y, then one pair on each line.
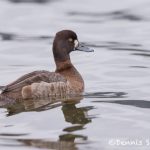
x,y
116,105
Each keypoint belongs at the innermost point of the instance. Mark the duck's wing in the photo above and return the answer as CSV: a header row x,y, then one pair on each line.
x,y
26,76
34,77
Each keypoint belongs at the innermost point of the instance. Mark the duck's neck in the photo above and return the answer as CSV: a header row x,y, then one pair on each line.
x,y
62,66
67,69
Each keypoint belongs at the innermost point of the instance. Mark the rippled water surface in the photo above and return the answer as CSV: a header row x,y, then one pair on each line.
x,y
114,112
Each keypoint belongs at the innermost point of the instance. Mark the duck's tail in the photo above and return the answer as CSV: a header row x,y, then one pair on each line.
x,y
4,101
2,88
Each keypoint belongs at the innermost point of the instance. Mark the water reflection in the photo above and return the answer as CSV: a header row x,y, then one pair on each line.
x,y
68,105
61,144
71,113
22,105
77,116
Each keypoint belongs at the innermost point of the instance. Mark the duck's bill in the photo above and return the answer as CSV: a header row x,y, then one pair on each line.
x,y
84,48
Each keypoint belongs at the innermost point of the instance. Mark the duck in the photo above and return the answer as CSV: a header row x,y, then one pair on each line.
x,y
64,80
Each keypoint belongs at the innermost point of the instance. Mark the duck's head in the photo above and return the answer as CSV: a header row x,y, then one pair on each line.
x,y
65,42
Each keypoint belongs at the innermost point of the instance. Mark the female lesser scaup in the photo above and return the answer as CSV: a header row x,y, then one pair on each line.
x,y
65,80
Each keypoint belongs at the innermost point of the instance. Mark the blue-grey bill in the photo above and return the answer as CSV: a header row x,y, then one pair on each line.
x,y
84,48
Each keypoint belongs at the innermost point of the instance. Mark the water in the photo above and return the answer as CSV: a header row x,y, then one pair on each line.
x,y
114,112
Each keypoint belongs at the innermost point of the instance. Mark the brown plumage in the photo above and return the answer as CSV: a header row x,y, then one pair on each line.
x,y
65,80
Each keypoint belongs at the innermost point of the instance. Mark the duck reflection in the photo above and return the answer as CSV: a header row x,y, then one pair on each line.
x,y
42,104
55,145
65,142
74,114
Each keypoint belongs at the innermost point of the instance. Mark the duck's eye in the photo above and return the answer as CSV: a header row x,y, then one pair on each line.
x,y
70,40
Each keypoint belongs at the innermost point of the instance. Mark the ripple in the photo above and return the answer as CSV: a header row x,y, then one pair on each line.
x,y
65,142
114,15
11,135
136,103
139,67
142,54
106,95
30,1
115,45
16,37
135,49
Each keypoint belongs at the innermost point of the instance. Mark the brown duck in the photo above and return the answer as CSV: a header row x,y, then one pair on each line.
x,y
65,80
